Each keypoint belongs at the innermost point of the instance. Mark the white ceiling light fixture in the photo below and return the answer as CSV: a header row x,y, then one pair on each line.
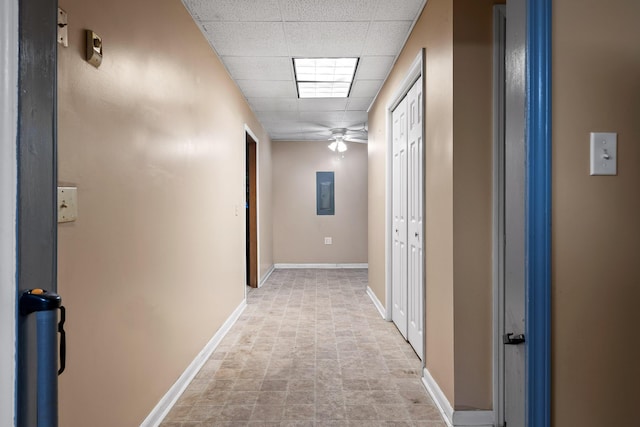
x,y
324,77
340,135
338,145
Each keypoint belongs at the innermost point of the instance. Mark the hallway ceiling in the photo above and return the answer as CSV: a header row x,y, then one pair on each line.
x,y
257,39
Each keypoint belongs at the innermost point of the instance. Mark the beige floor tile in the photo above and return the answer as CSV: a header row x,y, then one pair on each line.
x,y
299,412
309,350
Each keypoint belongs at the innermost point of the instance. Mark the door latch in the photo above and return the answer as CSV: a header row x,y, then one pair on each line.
x,y
510,339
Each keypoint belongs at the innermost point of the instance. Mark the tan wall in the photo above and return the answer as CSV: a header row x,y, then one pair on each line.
x,y
596,226
154,140
298,232
472,202
433,31
458,184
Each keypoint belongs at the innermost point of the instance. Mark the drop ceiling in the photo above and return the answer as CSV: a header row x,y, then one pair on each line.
x,y
257,39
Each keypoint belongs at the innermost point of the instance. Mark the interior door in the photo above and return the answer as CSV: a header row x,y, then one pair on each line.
x,y
251,212
399,212
514,273
415,239
37,176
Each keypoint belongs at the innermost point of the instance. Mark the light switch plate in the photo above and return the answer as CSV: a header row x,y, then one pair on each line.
x,y
328,241
604,153
67,204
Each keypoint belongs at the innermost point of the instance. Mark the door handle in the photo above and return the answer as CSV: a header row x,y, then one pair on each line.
x,y
63,340
510,339
417,235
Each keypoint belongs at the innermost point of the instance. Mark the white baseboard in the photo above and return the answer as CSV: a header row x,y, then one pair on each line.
x,y
266,276
171,397
455,418
441,401
322,266
377,303
473,418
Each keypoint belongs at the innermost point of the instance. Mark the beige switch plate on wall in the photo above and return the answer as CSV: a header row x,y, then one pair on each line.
x,y
67,204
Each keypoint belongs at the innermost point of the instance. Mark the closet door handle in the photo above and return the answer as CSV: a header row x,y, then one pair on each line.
x,y
511,339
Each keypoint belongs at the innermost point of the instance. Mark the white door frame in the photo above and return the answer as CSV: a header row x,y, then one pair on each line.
x,y
247,130
8,194
499,41
416,71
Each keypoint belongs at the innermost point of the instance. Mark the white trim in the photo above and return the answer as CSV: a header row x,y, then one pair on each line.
x,y
377,303
451,417
266,276
171,397
473,418
320,266
388,202
441,401
8,198
499,40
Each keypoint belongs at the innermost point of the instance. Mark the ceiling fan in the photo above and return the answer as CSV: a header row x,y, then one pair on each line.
x,y
318,131
340,135
350,135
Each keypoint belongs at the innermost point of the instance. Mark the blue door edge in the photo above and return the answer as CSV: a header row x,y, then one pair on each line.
x,y
538,213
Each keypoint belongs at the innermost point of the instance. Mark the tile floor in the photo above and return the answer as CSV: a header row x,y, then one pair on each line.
x,y
309,350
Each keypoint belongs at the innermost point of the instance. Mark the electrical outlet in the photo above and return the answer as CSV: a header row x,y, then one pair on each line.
x,y
328,241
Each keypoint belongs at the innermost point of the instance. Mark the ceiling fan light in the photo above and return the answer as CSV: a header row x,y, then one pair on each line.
x,y
333,146
342,147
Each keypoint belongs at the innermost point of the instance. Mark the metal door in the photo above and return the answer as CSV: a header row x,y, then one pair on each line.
x,y
514,273
37,176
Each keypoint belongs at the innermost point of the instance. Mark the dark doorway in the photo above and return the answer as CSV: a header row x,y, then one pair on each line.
x,y
252,212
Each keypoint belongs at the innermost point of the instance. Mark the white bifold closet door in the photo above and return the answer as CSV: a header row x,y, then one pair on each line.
x,y
407,208
399,208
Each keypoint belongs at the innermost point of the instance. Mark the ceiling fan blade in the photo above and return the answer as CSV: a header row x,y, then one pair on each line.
x,y
357,134
355,139
361,128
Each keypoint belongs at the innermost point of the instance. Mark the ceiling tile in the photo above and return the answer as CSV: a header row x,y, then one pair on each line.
x,y
355,119
281,126
327,10
365,88
322,104
270,116
274,104
234,10
247,39
398,10
263,89
257,38
325,39
259,68
374,67
325,119
386,38
300,136
361,104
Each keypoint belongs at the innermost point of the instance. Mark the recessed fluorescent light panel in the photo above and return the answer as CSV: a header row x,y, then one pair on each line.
x,y
324,77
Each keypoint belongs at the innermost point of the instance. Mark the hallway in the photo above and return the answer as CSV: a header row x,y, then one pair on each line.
x,y
309,350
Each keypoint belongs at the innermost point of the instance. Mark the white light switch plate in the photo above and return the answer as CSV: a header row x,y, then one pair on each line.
x,y
67,204
604,153
328,241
